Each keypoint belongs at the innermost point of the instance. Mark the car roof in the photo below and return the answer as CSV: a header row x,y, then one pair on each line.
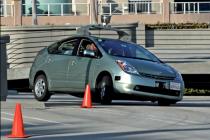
x,y
84,32
81,36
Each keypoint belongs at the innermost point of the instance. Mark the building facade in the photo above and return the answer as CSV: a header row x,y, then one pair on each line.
x,y
61,12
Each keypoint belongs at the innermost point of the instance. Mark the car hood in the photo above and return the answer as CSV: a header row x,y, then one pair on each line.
x,y
145,67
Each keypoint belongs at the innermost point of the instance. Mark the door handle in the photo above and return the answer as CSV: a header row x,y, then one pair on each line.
x,y
49,60
73,63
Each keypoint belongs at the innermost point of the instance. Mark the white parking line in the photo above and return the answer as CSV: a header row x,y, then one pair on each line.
x,y
34,118
178,121
8,119
165,121
80,134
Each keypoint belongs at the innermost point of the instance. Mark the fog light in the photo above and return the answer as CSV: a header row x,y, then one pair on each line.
x,y
117,78
137,88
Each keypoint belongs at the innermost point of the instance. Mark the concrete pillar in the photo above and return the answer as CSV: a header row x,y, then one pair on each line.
x,y
3,67
34,16
166,11
93,11
17,12
141,35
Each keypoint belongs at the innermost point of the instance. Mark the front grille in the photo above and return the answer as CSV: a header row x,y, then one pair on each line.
x,y
156,76
157,90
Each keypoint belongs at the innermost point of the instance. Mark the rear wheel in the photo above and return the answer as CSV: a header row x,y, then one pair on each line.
x,y
40,90
105,90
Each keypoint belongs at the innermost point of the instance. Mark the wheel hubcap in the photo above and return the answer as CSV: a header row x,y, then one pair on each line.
x,y
40,87
103,92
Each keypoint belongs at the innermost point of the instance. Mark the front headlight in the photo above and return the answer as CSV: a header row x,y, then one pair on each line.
x,y
179,76
126,67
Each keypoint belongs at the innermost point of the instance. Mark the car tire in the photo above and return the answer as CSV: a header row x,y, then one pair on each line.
x,y
105,90
40,89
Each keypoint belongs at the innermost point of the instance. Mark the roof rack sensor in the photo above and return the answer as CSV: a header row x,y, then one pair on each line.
x,y
85,30
105,19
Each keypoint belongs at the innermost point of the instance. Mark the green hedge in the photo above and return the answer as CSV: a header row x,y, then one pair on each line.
x,y
178,26
197,92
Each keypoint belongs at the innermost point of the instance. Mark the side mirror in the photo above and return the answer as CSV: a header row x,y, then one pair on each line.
x,y
89,53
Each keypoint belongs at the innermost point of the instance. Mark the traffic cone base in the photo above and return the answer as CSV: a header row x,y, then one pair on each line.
x,y
24,136
18,126
87,102
86,107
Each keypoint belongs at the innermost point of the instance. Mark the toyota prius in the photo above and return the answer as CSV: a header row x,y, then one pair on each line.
x,y
114,68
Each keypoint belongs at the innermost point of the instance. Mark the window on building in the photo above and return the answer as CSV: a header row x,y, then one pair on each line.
x,y
139,6
191,6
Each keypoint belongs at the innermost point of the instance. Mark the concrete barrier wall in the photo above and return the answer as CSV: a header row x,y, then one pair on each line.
x,y
187,50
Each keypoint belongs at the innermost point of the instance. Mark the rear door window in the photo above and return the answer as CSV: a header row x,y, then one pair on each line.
x,y
66,47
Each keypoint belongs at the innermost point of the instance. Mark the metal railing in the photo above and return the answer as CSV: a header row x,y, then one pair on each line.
x,y
74,9
65,9
130,8
57,9
189,7
6,10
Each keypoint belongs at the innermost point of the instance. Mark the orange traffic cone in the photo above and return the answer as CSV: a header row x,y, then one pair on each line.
x,y
87,103
18,128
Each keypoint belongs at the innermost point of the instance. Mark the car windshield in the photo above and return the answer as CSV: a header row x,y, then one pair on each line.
x,y
125,49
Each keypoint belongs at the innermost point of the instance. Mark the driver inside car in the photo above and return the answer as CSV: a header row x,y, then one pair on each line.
x,y
92,47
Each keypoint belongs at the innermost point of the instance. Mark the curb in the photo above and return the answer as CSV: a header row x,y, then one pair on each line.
x,y
25,105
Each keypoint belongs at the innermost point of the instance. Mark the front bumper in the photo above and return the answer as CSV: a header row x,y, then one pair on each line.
x,y
146,87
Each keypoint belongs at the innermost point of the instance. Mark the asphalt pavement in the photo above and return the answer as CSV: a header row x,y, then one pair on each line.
x,y
63,118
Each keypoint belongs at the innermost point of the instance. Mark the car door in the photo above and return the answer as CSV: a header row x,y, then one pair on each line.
x,y
80,67
58,63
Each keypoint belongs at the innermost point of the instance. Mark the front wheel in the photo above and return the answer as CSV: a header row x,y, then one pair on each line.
x,y
105,90
40,90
